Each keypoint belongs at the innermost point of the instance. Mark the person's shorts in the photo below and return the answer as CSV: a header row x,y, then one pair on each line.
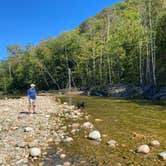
x,y
32,102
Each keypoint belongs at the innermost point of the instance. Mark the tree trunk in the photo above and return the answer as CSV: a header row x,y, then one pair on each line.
x,y
100,67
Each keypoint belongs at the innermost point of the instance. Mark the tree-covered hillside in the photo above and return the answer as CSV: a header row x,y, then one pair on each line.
x,y
125,43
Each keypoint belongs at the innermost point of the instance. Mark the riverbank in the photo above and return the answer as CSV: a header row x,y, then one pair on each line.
x,y
60,133
21,132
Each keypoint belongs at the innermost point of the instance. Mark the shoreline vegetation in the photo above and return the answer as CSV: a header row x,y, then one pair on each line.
x,y
123,44
116,91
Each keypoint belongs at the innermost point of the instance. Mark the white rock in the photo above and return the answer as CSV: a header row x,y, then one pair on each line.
x,y
28,129
87,125
143,149
68,139
66,163
47,116
98,120
87,117
162,155
34,152
62,156
95,135
155,143
112,143
75,125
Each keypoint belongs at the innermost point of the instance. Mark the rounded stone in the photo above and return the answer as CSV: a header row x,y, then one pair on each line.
x,y
68,139
28,129
143,149
155,143
34,152
62,156
87,125
66,163
95,135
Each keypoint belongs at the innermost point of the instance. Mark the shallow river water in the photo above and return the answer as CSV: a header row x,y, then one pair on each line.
x,y
120,119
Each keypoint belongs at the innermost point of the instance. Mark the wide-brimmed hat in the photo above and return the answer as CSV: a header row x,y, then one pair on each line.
x,y
32,85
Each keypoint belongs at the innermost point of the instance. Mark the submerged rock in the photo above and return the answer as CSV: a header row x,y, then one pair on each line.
x,y
162,155
87,125
112,143
98,120
95,135
155,143
143,149
68,139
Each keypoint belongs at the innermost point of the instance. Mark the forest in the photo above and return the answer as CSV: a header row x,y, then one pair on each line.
x,y
123,44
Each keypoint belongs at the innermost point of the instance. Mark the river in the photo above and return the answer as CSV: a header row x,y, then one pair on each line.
x,y
121,118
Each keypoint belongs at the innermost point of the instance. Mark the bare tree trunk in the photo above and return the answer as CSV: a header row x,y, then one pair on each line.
x,y
87,73
154,60
100,66
148,77
109,70
10,71
94,66
140,47
108,57
140,62
118,70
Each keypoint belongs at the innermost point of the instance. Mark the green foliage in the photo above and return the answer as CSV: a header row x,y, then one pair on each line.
x,y
103,50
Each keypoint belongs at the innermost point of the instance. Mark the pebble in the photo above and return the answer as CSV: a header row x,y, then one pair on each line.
x,y
47,116
162,155
155,143
66,163
75,125
68,139
95,135
62,156
143,149
112,143
87,125
35,152
28,129
98,120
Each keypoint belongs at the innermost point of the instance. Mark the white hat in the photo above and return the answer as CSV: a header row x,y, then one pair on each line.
x,y
32,85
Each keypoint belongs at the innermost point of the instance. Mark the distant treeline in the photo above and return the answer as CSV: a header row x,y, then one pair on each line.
x,y
125,44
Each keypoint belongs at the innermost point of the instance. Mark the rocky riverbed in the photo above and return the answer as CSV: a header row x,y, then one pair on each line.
x,y
26,137
36,139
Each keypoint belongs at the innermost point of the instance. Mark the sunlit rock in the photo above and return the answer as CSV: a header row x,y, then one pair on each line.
x,y
35,152
162,155
87,125
95,135
155,143
143,149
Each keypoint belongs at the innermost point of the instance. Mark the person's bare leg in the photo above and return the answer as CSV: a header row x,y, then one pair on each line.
x,y
29,107
34,108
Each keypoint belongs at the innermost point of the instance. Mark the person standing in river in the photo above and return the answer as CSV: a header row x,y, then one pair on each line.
x,y
31,98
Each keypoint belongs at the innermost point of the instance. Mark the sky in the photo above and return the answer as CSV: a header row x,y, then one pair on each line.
x,y
30,21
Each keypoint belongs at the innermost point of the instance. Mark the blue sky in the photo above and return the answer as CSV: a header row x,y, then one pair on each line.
x,y
30,21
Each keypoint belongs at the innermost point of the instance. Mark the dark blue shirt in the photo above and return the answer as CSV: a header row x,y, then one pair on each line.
x,y
32,93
